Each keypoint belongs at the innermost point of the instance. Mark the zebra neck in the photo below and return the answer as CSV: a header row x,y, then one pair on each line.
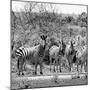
x,y
42,50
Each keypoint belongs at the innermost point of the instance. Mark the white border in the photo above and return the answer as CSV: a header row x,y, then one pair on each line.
x,y
5,44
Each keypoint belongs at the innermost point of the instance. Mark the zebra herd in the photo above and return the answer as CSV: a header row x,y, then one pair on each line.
x,y
37,53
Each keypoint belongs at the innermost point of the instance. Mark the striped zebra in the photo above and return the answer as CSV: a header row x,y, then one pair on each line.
x,y
70,52
82,56
33,54
56,53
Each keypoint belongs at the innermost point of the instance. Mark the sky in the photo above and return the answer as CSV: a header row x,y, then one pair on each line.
x,y
60,8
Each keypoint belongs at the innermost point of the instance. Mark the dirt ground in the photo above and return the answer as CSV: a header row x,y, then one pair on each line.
x,y
48,79
27,82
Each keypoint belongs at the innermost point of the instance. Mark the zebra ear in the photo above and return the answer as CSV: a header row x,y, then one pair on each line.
x,y
59,42
71,43
43,37
46,36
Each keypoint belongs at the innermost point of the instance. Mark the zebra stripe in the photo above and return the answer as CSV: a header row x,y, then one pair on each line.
x,y
24,52
18,53
21,52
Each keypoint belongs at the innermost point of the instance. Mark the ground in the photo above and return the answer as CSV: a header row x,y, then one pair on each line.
x,y
21,83
48,79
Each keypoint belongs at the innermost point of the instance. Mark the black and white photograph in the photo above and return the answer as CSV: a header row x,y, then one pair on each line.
x,y
49,44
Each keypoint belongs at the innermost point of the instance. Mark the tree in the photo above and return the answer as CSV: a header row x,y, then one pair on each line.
x,y
26,21
69,19
82,19
13,28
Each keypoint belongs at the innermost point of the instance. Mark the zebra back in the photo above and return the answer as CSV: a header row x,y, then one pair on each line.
x,y
26,51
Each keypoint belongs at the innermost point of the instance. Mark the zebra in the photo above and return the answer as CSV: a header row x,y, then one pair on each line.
x,y
76,55
33,54
81,57
56,53
70,52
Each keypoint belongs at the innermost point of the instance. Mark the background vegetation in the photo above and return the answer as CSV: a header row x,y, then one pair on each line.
x,y
37,19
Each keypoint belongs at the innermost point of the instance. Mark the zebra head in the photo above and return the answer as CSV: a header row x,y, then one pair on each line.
x,y
62,48
42,46
43,37
43,40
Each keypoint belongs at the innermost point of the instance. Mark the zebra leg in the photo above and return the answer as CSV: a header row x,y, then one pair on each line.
x,y
57,68
78,71
54,66
85,66
57,63
41,69
60,65
18,66
22,66
70,66
50,63
60,68
77,68
81,68
35,69
22,70
19,70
